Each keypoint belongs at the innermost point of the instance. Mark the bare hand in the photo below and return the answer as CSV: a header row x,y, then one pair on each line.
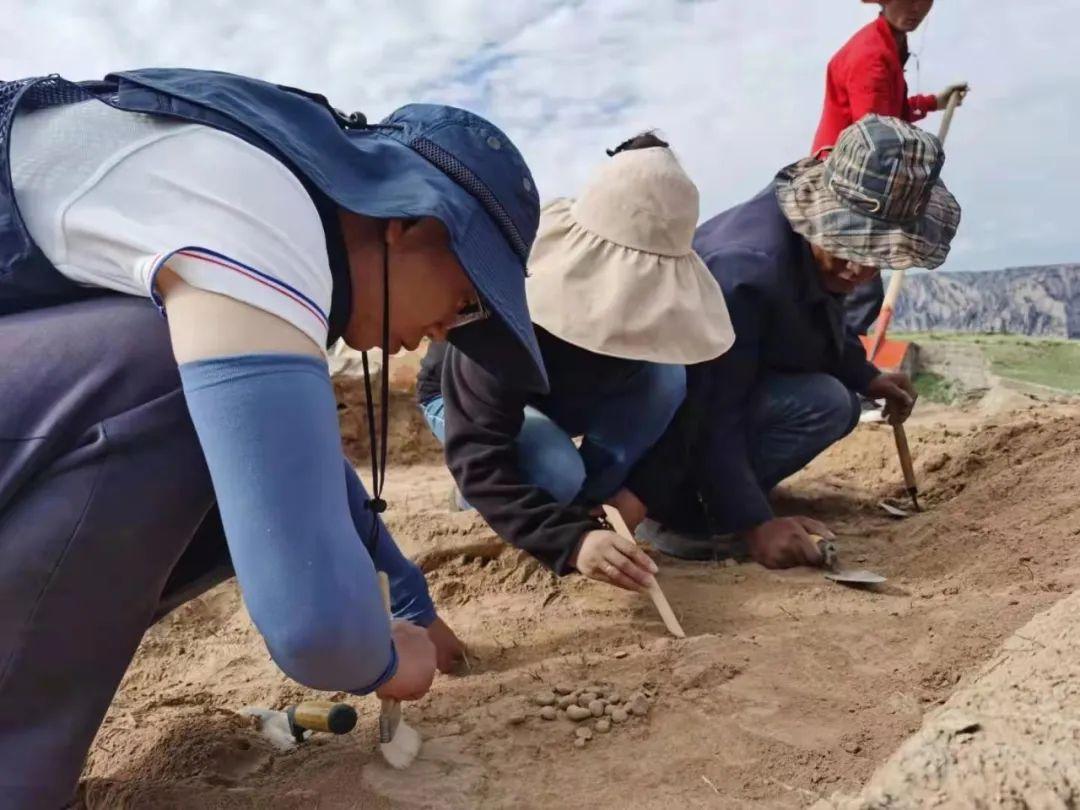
x,y
785,542
416,663
631,508
608,557
960,89
899,395
449,651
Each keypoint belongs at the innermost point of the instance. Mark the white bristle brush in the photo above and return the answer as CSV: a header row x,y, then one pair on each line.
x,y
398,741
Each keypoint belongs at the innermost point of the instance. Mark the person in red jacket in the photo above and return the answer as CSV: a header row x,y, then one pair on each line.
x,y
867,76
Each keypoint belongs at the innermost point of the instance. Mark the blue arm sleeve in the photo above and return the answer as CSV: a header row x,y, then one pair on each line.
x,y
268,428
408,587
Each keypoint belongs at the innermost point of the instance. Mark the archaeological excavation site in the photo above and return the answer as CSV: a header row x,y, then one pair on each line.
x,y
954,683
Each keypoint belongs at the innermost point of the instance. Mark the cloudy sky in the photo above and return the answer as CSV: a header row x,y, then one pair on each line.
x,y
735,85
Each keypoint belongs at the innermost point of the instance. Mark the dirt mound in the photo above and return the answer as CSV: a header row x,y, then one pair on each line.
x,y
789,689
994,744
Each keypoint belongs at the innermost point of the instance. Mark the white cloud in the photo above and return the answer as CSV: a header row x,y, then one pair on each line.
x,y
736,86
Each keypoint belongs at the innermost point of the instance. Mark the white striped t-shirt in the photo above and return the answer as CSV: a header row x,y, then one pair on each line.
x,y
111,196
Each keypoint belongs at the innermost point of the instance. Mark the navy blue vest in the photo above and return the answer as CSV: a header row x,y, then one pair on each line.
x,y
28,279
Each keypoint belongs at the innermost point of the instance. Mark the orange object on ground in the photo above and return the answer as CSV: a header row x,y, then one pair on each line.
x,y
890,355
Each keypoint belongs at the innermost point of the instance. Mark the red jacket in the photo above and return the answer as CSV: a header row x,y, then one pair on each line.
x,y
867,76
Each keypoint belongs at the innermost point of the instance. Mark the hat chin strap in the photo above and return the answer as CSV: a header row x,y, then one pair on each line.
x,y
378,450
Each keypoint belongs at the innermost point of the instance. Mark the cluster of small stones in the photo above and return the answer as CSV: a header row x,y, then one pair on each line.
x,y
592,708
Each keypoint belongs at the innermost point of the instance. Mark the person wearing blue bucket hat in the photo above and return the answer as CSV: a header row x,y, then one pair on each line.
x,y
146,458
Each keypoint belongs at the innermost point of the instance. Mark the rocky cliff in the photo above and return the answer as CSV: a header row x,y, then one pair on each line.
x,y
1019,300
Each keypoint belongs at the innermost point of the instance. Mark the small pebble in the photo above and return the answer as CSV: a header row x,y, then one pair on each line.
x,y
563,689
597,708
584,732
609,710
544,698
621,654
549,713
515,719
577,713
565,700
603,725
639,707
585,698
619,716
579,743
614,697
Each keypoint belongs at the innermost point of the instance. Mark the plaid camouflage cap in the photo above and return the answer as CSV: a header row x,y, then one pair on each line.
x,y
877,199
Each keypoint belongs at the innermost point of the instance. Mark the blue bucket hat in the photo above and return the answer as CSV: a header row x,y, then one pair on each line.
x,y
423,160
473,179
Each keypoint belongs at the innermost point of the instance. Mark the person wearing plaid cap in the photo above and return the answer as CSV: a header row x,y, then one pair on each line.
x,y
867,76
788,388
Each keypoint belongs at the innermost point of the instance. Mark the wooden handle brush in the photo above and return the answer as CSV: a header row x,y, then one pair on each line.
x,y
399,743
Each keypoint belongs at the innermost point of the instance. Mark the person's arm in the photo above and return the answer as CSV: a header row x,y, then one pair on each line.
x,y
733,498
408,588
709,433
261,400
920,106
870,87
483,419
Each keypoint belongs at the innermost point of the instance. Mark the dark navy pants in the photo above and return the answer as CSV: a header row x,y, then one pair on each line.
x,y
102,488
793,418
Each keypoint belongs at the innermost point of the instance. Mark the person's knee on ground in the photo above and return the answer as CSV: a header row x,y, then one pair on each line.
x,y
663,394
548,458
836,408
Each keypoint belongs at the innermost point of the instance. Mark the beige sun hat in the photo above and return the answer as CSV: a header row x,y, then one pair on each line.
x,y
615,272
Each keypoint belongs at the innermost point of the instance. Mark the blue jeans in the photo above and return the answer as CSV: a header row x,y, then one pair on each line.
x,y
794,418
617,429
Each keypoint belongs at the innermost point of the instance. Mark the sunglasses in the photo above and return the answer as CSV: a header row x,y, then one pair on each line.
x,y
470,313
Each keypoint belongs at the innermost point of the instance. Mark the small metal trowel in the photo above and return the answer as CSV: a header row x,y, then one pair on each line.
x,y
890,508
286,729
854,577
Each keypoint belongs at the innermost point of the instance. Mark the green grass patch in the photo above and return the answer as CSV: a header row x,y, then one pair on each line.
x,y
934,388
1042,361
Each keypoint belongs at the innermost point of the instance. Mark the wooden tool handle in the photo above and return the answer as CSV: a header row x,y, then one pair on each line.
x,y
946,121
323,715
827,549
881,328
384,590
663,607
389,705
904,452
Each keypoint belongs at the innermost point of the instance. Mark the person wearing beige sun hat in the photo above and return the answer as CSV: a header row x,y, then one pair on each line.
x,y
620,303
614,271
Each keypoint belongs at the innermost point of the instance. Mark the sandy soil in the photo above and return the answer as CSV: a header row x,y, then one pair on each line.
x,y
1010,738
788,690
